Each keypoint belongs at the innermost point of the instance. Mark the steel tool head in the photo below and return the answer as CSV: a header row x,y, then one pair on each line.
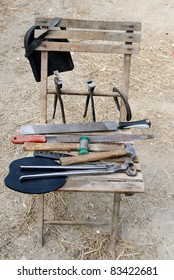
x,y
130,149
91,85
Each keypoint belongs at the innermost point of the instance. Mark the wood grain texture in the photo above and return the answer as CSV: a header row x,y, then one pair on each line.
x,y
92,24
115,220
87,47
67,147
93,157
83,93
103,187
56,33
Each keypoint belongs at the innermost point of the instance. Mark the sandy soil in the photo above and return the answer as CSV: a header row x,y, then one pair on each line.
x,y
147,220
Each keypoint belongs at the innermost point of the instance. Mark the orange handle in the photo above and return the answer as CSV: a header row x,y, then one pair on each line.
x,y
21,139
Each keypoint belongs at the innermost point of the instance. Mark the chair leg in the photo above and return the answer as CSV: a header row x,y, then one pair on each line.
x,y
115,220
40,218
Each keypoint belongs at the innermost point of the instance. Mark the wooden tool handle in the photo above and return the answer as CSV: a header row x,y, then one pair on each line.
x,y
51,147
93,157
68,147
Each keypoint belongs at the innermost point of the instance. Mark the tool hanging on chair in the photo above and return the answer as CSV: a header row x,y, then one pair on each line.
x,y
91,87
125,101
58,85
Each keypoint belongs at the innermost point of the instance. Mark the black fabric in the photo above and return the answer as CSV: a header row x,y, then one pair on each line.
x,y
35,186
61,61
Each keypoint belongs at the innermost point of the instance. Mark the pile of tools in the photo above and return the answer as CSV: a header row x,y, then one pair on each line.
x,y
94,143
85,145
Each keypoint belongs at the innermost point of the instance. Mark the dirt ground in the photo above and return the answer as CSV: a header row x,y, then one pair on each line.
x,y
146,220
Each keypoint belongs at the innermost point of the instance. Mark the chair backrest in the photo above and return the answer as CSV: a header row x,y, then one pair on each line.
x,y
84,36
96,37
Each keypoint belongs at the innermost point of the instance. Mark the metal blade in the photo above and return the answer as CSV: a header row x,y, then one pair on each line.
x,y
68,128
114,138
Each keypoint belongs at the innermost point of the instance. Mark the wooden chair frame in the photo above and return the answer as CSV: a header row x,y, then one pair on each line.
x,y
91,36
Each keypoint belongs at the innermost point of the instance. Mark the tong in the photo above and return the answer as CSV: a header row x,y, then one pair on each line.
x,y
127,167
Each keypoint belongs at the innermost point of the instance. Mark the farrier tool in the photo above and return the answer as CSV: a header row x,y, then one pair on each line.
x,y
99,168
58,85
67,147
125,101
127,167
82,127
48,184
69,138
127,150
91,86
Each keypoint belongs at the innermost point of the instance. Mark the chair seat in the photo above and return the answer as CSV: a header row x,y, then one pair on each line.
x,y
117,182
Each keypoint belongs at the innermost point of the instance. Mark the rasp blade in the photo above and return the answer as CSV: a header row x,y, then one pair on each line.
x,y
68,128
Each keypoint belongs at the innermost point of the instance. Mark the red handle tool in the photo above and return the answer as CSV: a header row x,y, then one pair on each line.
x,y
21,139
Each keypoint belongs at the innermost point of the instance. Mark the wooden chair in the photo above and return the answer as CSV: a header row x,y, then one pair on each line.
x,y
96,37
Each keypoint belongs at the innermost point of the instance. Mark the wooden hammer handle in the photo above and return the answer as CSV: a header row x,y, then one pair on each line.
x,y
51,146
68,147
93,157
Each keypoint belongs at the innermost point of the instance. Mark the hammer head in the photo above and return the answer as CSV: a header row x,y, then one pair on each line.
x,y
131,150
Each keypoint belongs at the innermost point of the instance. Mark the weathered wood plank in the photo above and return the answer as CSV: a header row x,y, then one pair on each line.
x,y
40,218
91,24
94,48
115,177
93,35
126,80
106,187
94,147
115,220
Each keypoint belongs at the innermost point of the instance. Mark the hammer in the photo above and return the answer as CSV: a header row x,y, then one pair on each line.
x,y
127,150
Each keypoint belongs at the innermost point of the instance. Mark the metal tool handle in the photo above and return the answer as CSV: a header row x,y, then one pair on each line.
x,y
71,167
59,174
93,157
128,167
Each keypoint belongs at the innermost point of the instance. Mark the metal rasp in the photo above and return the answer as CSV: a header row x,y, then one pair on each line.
x,y
82,127
72,138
